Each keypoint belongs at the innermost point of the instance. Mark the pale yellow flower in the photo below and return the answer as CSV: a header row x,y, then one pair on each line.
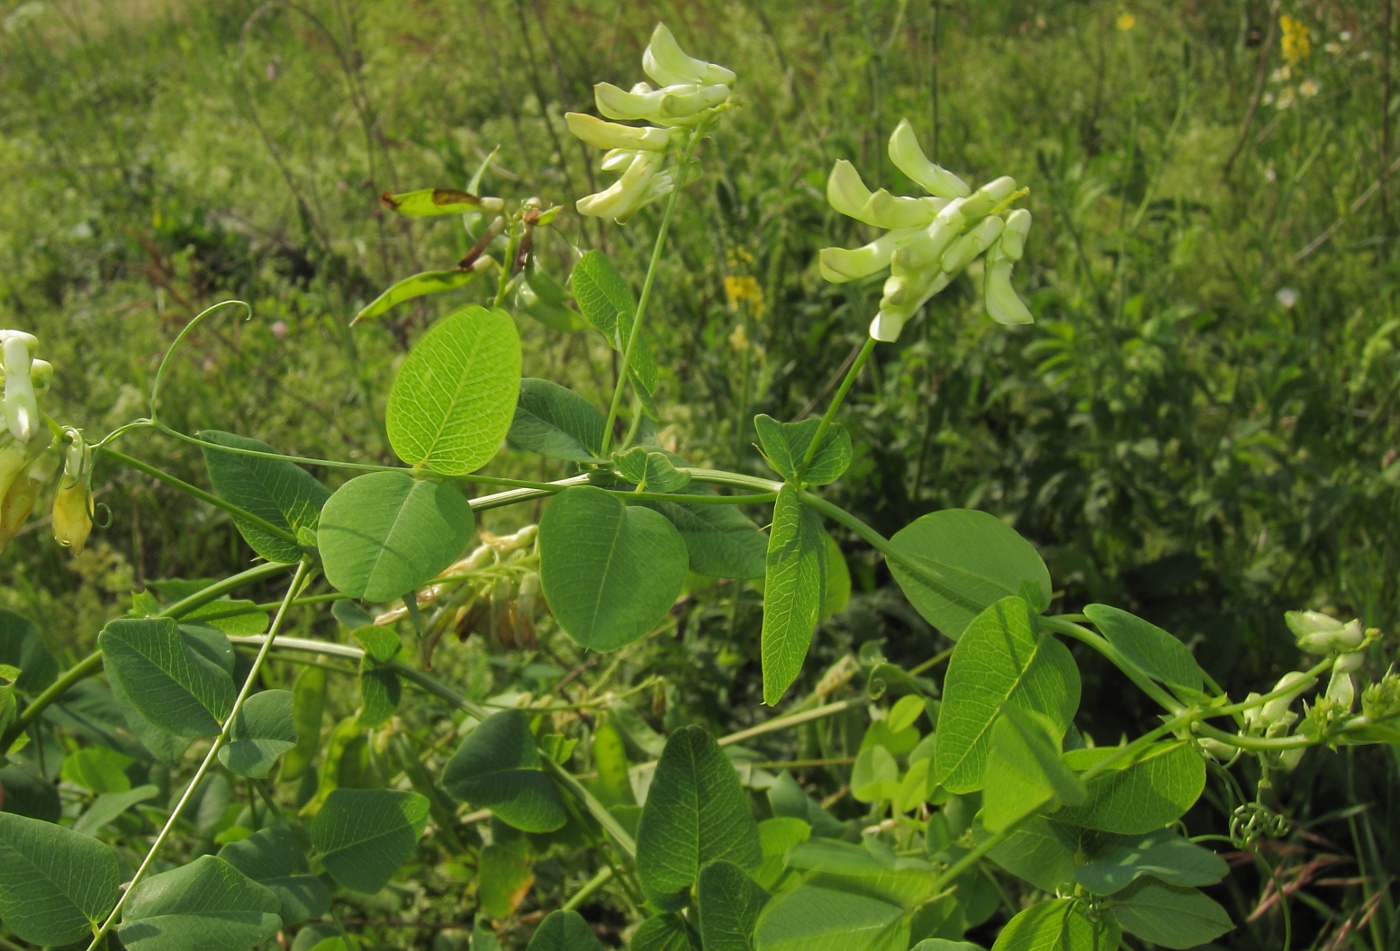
x,y
1126,21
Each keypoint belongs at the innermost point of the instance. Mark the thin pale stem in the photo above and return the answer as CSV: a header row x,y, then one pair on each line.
x,y
856,366
298,581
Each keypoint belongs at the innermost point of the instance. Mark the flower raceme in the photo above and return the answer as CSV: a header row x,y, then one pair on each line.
x,y
930,239
690,90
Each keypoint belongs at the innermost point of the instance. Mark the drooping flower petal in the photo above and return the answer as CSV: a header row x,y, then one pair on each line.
x,y
910,159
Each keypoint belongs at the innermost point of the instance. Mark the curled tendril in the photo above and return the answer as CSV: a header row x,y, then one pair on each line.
x,y
1254,820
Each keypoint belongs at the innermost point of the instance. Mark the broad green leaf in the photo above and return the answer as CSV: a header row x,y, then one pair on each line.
x,y
1041,851
649,471
540,297
1061,924
905,881
206,904
1169,916
453,399
417,285
1000,662
381,644
696,813
784,446
838,580
1151,649
563,931
955,564
498,767
556,422
29,794
828,918
263,730
663,933
431,201
111,806
277,491
54,882
1024,771
248,620
875,777
609,571
793,591
786,798
606,302
380,692
503,880
1116,861
722,541
154,667
775,837
729,903
21,646
308,706
944,944
1155,788
387,533
274,858
97,769
364,835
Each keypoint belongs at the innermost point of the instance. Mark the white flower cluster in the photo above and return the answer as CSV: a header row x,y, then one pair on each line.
x,y
929,240
690,90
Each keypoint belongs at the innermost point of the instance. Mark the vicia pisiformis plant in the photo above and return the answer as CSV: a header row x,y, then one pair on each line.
x,y
967,801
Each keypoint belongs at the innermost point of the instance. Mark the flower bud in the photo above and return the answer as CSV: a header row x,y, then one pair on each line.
x,y
664,61
846,193
982,201
72,515
686,107
904,295
1013,239
41,375
627,194
839,265
1341,688
965,250
1275,713
1003,304
23,493
611,135
910,159
1318,633
618,104
21,405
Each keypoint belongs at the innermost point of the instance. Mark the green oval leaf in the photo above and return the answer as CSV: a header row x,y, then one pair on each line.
x,y
1151,649
1058,925
1116,861
606,302
696,813
275,490
609,571
263,730
785,445
1024,770
206,904
955,563
157,670
386,533
1145,794
418,285
274,858
556,422
364,835
498,767
663,933
793,591
431,201
1000,661
1169,916
454,396
729,903
722,541
22,646
831,918
563,931
54,882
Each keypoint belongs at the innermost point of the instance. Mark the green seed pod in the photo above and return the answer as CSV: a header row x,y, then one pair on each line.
x,y
910,159
72,515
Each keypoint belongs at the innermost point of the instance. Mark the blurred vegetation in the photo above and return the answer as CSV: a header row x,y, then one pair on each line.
x,y
1202,425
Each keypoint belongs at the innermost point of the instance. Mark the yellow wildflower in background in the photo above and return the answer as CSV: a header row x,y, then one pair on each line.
x,y
1126,21
1295,42
742,288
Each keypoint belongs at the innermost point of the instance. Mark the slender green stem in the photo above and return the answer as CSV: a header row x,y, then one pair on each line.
x,y
644,298
836,401
791,720
592,885
1129,669
194,490
298,581
624,841
220,588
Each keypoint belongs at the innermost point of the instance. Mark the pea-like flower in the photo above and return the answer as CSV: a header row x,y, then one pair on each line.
x,y
930,239
690,91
